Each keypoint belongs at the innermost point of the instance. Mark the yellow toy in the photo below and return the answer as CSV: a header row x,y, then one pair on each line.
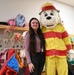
x,y
57,40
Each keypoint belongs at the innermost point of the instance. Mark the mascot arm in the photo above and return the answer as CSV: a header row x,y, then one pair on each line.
x,y
66,39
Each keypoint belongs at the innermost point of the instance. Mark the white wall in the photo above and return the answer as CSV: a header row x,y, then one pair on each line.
x,y
67,16
30,8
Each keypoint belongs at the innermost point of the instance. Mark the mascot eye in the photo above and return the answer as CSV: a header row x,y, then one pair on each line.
x,y
45,14
51,14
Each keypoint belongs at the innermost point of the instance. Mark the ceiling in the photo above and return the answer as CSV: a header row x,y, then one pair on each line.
x,y
68,2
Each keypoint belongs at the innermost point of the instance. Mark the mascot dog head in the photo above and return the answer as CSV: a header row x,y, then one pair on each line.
x,y
49,16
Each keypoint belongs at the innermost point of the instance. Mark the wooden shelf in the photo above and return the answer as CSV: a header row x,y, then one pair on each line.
x,y
15,28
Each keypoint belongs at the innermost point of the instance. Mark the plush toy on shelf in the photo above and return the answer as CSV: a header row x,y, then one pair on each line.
x,y
20,20
57,40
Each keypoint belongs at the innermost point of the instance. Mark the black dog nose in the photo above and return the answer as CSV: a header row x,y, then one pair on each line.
x,y
48,18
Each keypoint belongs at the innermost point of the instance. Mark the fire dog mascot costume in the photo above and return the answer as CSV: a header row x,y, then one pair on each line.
x,y
57,40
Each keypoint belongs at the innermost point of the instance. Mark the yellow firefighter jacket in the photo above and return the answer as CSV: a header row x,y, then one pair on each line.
x,y
57,40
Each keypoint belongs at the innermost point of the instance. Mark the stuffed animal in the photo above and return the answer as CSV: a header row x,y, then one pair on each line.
x,y
57,40
12,23
20,20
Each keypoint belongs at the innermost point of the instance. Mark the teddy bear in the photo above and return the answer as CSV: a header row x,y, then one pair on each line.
x,y
57,40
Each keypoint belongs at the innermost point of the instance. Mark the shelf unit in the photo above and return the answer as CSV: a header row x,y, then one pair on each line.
x,y
15,28
9,42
